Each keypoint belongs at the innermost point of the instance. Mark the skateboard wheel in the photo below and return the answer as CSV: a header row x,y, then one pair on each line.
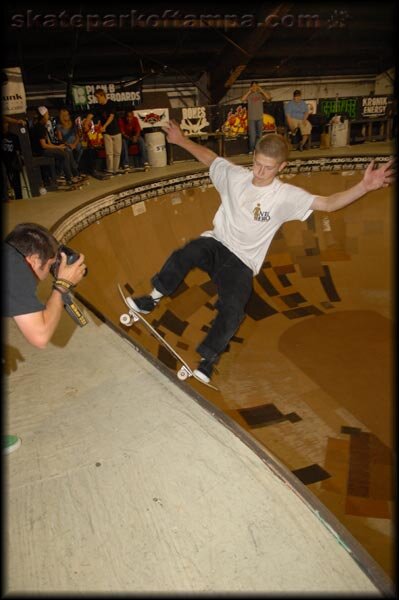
x,y
125,319
182,374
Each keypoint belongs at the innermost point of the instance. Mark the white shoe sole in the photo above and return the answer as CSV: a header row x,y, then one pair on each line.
x,y
201,376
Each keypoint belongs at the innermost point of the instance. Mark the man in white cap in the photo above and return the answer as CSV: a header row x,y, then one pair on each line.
x,y
43,146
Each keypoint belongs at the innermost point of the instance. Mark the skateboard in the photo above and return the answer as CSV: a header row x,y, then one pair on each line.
x,y
133,316
101,175
135,170
79,185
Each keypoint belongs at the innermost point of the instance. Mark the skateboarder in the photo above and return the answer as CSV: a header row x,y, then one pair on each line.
x,y
254,204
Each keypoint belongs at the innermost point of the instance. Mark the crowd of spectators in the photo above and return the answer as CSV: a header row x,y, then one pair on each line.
x,y
99,144
105,141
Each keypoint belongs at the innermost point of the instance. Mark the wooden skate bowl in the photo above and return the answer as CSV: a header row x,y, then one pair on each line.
x,y
309,372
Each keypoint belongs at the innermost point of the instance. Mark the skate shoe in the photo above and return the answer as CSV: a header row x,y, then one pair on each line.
x,y
10,443
204,370
142,304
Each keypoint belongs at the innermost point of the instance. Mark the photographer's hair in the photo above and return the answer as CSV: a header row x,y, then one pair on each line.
x,y
31,238
100,92
273,145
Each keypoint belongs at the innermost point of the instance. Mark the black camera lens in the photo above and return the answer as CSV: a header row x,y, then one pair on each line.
x,y
71,257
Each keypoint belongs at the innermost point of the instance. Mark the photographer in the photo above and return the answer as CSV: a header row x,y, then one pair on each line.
x,y
30,251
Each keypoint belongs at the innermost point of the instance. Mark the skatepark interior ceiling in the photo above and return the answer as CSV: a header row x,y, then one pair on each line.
x,y
180,44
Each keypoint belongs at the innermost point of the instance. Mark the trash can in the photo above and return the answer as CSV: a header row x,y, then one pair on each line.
x,y
339,133
156,148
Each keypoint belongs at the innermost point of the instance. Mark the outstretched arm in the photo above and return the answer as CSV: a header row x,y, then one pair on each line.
x,y
373,179
176,136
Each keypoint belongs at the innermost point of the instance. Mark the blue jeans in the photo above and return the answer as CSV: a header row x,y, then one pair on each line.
x,y
125,150
255,130
231,276
77,154
64,161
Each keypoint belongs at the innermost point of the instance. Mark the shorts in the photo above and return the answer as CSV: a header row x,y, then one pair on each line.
x,y
305,127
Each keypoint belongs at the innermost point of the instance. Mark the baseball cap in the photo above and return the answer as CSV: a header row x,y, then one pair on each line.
x,y
297,93
42,110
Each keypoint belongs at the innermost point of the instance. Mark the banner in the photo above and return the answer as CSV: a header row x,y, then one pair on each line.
x,y
126,95
349,107
13,99
236,121
153,117
194,120
312,106
375,106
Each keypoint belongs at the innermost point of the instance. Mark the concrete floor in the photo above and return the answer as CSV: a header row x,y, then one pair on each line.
x,y
127,481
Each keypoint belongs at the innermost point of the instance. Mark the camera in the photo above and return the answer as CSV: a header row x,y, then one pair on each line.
x,y
71,257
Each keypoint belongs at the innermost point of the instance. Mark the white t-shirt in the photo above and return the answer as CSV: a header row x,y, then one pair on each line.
x,y
249,216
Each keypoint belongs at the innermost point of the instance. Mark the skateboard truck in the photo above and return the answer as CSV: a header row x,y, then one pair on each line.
x,y
128,320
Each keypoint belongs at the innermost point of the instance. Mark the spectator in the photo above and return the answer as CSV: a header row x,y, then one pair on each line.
x,y
67,133
28,253
92,142
131,134
11,163
14,120
105,113
42,146
253,207
255,97
296,114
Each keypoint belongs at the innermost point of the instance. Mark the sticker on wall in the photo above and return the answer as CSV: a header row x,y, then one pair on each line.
x,y
154,117
139,208
193,120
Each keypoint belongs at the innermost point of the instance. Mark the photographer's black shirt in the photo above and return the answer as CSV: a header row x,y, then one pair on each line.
x,y
19,285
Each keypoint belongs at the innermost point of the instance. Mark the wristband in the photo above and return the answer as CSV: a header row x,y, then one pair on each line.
x,y
63,283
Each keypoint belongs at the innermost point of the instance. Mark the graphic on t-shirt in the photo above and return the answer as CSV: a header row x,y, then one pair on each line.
x,y
259,214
